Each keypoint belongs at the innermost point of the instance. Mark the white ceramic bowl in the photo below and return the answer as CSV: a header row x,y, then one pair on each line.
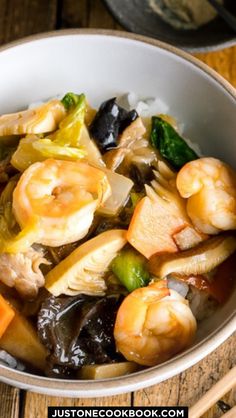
x,y
103,64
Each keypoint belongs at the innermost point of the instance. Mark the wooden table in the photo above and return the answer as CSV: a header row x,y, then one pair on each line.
x,y
21,18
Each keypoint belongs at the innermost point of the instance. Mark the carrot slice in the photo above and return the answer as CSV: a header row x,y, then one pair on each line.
x,y
6,315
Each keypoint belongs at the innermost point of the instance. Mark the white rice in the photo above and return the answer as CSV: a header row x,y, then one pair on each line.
x,y
146,107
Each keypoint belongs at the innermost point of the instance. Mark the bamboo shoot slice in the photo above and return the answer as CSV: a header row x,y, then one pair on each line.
x,y
107,371
83,270
199,260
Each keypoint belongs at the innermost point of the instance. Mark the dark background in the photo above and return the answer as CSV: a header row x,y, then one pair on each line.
x,y
19,18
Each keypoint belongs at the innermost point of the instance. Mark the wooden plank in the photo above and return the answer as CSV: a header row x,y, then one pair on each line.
x,y
36,405
9,401
189,386
99,17
224,62
85,13
74,14
26,17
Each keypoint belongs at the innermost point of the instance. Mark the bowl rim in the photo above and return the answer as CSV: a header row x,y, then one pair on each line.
x,y
231,41
156,374
186,55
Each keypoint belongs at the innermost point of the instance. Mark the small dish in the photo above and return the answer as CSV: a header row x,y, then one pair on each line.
x,y
138,16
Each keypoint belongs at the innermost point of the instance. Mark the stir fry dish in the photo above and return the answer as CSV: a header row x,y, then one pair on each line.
x,y
116,239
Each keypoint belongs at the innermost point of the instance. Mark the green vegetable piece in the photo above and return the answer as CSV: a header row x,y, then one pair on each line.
x,y
135,198
130,268
70,100
50,149
170,144
69,130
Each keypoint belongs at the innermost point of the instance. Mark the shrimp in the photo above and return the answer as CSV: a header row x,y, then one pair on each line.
x,y
153,323
60,197
210,187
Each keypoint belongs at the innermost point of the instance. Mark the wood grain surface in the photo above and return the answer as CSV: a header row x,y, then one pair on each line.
x,y
20,18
